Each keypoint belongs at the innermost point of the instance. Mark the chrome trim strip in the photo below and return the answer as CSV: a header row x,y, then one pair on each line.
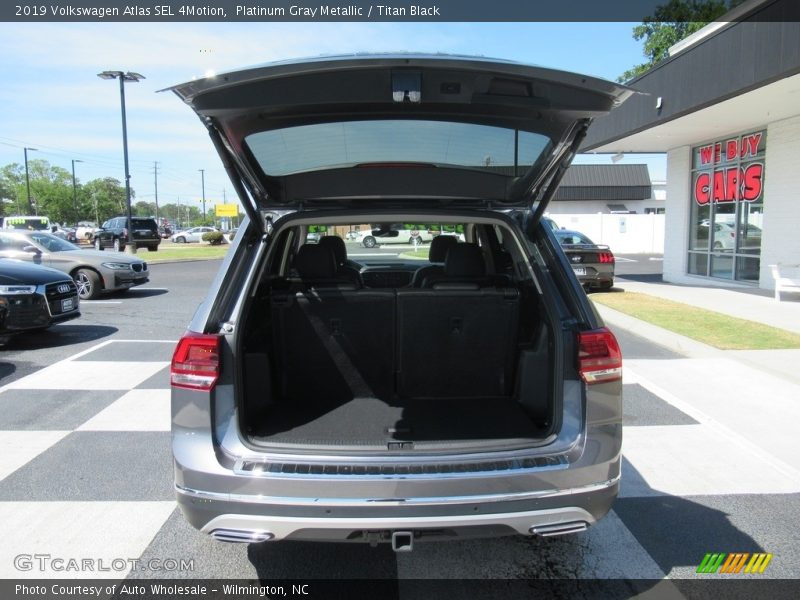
x,y
239,470
423,501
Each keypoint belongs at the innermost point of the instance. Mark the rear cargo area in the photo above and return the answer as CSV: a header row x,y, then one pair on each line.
x,y
395,370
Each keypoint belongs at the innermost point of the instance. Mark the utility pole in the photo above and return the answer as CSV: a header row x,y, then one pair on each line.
x,y
155,172
28,182
203,183
74,192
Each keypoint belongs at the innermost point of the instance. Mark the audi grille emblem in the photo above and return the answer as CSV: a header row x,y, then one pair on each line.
x,y
63,288
576,259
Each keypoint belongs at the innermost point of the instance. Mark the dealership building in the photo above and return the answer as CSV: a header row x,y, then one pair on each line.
x,y
725,108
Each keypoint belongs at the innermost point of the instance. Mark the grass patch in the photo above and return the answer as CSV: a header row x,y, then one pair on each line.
x,y
421,254
193,252
712,328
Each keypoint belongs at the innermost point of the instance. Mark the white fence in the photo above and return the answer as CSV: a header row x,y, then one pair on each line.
x,y
625,234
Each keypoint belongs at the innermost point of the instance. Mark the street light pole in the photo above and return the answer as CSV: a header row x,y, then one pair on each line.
x,y
74,192
130,246
203,183
28,179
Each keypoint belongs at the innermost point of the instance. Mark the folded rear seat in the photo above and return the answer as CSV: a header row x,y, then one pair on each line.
x,y
457,337
334,341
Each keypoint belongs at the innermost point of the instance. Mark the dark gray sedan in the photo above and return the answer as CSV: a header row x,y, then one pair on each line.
x,y
592,264
94,271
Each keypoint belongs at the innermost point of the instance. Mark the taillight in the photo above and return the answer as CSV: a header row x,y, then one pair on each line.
x,y
599,356
606,257
195,362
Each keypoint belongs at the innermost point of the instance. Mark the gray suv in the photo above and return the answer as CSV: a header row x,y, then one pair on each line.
x,y
464,388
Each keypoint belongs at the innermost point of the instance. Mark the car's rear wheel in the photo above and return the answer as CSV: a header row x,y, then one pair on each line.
x,y
116,245
88,283
180,240
98,244
152,248
369,242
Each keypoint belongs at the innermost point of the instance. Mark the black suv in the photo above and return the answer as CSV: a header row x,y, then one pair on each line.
x,y
114,234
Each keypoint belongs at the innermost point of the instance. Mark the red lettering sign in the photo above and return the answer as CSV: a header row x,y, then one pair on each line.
x,y
705,155
701,194
750,144
753,181
717,152
731,149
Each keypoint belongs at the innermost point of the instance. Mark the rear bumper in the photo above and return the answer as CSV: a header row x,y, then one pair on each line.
x,y
255,519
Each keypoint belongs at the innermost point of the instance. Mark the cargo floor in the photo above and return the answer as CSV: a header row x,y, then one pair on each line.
x,y
372,422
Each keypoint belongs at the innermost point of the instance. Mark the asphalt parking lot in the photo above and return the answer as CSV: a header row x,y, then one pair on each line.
x,y
84,446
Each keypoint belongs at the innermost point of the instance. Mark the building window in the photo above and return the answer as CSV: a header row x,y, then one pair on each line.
x,y
727,198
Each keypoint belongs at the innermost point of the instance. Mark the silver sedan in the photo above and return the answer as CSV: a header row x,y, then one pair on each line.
x,y
94,272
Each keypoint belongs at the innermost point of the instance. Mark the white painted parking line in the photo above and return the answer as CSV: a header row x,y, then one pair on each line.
x,y
100,302
659,258
138,410
18,448
623,259
696,460
109,534
737,402
89,375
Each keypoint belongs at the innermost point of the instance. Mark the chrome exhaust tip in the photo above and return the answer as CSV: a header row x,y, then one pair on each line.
x,y
559,528
242,536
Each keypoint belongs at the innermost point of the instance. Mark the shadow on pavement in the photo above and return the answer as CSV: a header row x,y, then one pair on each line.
x,y
136,293
57,336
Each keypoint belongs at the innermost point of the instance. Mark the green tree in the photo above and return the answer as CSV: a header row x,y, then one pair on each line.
x,y
671,23
103,198
144,209
12,177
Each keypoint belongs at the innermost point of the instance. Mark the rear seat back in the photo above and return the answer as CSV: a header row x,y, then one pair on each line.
x,y
334,344
456,342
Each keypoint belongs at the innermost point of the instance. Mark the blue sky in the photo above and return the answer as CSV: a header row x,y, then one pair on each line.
x,y
52,100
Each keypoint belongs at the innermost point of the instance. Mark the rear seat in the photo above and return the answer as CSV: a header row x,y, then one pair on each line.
x,y
336,342
458,337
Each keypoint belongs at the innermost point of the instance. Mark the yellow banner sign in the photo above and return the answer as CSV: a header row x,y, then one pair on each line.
x,y
227,210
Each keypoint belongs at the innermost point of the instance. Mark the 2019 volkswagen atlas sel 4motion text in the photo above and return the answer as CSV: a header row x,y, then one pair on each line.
x,y
389,398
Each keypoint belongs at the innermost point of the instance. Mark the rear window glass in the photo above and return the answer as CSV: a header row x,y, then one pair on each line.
x,y
140,223
336,145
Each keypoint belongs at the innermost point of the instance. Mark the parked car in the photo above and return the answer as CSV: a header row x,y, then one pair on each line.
x,y
65,233
195,234
84,230
486,402
114,234
395,233
34,297
593,265
25,223
94,272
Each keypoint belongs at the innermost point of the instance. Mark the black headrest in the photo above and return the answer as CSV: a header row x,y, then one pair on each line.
x,y
315,262
439,247
464,261
335,243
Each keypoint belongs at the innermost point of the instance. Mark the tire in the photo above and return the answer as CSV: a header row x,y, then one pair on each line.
x,y
98,245
88,235
152,248
116,245
88,283
369,242
180,240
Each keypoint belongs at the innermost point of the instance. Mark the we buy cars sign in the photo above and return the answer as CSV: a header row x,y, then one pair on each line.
x,y
732,173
